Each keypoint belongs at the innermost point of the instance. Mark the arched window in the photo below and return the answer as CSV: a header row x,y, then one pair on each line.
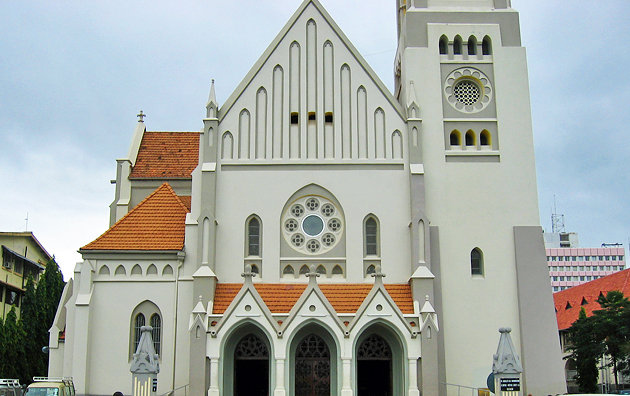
x,y
371,237
288,272
304,270
443,45
139,321
145,314
455,138
156,323
472,45
457,46
486,46
253,237
470,138
484,138
476,262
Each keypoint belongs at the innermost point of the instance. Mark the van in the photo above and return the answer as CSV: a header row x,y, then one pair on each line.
x,y
10,387
50,386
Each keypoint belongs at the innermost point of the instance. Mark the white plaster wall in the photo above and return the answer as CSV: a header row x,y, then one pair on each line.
x,y
477,204
384,193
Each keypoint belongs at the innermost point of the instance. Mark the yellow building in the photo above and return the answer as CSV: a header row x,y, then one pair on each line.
x,y
21,255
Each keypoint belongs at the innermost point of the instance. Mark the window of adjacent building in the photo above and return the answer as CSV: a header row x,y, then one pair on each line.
x,y
253,237
581,268
607,258
476,262
573,258
587,258
601,258
371,237
581,258
12,298
561,278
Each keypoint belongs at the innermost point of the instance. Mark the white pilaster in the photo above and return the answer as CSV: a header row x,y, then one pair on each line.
x,y
214,377
279,391
413,378
346,389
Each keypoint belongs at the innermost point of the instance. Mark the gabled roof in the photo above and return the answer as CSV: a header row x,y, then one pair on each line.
x,y
166,155
573,297
281,297
157,223
278,39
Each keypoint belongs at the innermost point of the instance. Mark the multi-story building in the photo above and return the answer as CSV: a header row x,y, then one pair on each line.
x,y
570,265
21,255
257,247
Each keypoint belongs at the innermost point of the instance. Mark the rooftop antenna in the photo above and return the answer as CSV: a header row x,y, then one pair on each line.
x,y
26,220
557,220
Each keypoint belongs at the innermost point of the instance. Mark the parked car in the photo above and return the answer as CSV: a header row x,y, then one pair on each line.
x,y
50,386
10,387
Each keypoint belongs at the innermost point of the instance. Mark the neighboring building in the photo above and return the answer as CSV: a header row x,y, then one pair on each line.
x,y
256,248
568,304
561,240
570,265
21,255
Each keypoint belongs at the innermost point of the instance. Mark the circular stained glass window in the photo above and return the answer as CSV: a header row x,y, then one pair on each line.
x,y
312,225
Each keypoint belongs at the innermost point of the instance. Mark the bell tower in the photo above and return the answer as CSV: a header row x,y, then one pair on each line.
x,y
463,64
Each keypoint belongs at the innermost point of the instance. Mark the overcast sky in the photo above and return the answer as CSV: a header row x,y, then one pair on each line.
x,y
73,75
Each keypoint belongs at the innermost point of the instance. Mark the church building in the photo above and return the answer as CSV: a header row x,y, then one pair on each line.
x,y
321,235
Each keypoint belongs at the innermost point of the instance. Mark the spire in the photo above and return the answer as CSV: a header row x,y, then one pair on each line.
x,y
212,106
413,110
506,360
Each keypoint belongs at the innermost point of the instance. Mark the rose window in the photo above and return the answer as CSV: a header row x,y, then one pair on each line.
x,y
468,90
312,225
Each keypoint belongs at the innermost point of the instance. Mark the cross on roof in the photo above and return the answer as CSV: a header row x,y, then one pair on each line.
x,y
248,274
141,116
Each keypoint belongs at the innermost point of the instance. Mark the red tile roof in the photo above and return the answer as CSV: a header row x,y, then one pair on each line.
x,y
186,200
569,301
166,155
281,297
157,223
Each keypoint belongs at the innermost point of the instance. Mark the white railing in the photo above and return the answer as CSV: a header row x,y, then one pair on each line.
x,y
465,390
176,391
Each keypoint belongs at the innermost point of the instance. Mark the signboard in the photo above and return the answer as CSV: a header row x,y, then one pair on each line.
x,y
510,384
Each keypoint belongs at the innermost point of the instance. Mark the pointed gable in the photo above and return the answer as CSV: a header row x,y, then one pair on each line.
x,y
157,223
311,96
280,298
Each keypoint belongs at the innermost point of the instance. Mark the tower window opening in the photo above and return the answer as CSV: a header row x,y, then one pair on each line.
x,y
472,45
455,138
470,138
443,44
484,138
476,262
486,46
457,45
294,118
311,116
328,117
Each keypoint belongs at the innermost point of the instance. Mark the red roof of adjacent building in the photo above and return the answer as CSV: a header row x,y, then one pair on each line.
x,y
166,155
281,297
569,301
156,223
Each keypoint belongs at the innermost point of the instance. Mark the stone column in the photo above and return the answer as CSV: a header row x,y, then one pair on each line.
x,y
214,377
346,389
413,378
280,390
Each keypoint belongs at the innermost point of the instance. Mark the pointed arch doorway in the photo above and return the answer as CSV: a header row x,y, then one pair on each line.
x,y
312,367
251,367
374,367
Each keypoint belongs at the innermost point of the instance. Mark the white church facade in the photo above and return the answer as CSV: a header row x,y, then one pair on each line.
x,y
323,236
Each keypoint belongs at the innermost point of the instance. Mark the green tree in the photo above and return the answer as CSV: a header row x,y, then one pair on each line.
x,y
47,296
611,327
31,324
585,349
12,347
